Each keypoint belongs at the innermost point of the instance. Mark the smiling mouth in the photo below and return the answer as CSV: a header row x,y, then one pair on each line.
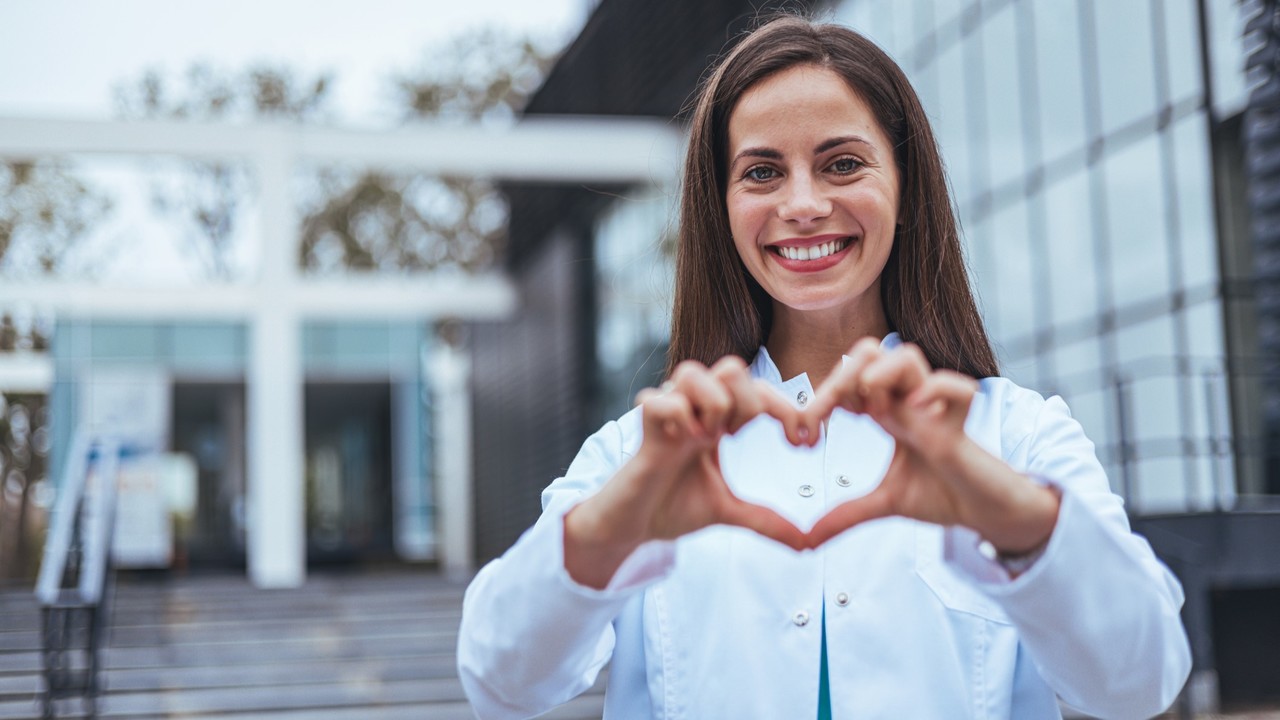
x,y
815,252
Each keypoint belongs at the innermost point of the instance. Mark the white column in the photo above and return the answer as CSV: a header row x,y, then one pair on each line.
x,y
276,502
450,382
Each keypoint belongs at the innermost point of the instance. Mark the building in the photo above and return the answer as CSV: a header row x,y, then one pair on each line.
x,y
1096,152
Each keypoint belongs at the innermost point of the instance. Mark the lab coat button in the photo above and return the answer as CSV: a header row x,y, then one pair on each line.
x,y
805,491
801,619
842,599
843,481
802,398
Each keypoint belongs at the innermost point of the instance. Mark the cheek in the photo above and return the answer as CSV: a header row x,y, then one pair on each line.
x,y
744,224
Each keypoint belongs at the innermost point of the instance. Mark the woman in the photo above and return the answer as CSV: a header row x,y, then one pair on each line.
x,y
963,555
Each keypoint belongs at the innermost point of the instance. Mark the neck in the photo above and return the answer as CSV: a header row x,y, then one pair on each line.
x,y
812,342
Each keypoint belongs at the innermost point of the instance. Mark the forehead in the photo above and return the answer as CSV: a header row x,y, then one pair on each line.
x,y
799,103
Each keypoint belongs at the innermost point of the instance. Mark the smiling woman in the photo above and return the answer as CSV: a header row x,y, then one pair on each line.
x,y
833,507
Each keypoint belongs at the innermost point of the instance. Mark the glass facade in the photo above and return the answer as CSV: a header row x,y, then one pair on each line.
x,y
1076,138
635,264
369,435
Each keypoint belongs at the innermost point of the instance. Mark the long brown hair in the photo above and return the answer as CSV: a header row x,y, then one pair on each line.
x,y
721,310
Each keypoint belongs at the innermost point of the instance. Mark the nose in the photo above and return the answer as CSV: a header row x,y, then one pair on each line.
x,y
804,201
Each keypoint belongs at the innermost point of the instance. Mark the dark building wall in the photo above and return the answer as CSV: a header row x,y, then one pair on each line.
x,y
532,385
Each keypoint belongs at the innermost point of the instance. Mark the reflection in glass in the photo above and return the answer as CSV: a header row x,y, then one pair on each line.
x,y
980,250
1136,223
1073,267
952,124
1004,130
1060,83
1090,409
1126,63
1157,414
1195,202
1226,56
1160,485
1138,344
1204,329
1015,276
635,270
1182,48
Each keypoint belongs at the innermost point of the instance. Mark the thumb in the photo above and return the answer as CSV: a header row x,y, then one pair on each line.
x,y
871,506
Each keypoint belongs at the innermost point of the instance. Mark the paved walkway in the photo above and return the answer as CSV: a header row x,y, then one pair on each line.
x,y
359,647
374,646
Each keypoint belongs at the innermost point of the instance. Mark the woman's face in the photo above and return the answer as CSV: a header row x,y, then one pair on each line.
x,y
812,193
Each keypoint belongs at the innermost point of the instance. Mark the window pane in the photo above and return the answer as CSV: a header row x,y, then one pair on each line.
x,y
1160,485
1059,71
1126,68
1156,412
1136,223
1204,329
904,29
141,342
980,251
1004,102
1195,202
1143,342
952,127
1073,266
1090,409
1015,275
1226,54
925,82
946,12
1182,48
209,345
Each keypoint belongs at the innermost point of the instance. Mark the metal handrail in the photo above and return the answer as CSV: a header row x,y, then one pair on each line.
x,y
74,574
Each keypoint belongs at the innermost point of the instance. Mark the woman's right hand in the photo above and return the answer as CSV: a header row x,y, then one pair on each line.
x,y
673,485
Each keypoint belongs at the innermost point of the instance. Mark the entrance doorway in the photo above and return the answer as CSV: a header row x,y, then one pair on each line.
x,y
208,425
348,472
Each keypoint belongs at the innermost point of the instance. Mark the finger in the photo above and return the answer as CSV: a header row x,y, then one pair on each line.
x,y
946,392
732,373
793,421
711,401
764,521
872,506
892,377
840,389
670,415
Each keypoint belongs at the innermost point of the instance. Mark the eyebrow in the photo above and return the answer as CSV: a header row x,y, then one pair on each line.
x,y
834,142
825,145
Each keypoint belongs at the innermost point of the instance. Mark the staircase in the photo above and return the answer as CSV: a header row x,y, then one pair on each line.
x,y
371,646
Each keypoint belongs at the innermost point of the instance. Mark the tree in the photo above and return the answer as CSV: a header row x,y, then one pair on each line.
x,y
211,195
45,213
364,220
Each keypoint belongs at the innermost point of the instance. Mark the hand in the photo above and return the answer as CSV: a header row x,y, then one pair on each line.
x,y
937,474
673,486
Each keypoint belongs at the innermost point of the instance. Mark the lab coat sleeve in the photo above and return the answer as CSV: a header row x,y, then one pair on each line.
x,y
1098,613
531,637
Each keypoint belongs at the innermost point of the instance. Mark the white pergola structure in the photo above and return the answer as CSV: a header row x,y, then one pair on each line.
x,y
565,149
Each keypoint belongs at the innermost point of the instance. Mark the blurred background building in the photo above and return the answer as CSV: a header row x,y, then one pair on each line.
x,y
1097,152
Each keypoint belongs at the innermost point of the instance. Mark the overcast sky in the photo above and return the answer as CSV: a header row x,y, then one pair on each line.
x,y
62,57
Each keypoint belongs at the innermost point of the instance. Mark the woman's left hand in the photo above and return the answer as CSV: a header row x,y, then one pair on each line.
x,y
937,474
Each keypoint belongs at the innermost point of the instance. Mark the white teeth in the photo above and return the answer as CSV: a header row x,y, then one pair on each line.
x,y
815,252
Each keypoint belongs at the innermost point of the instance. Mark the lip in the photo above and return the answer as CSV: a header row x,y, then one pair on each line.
x,y
808,266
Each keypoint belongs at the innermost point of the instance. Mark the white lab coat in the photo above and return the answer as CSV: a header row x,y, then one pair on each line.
x,y
920,623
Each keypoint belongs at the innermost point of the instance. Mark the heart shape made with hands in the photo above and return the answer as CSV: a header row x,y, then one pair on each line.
x,y
922,409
